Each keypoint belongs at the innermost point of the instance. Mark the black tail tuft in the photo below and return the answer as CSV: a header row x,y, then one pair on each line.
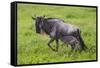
x,y
82,44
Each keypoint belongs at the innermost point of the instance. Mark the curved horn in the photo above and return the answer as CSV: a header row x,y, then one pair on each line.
x,y
34,17
44,16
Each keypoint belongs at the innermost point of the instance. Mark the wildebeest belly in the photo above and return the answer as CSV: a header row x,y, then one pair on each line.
x,y
69,39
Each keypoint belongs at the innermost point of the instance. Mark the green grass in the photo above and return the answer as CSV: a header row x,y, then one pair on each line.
x,y
33,48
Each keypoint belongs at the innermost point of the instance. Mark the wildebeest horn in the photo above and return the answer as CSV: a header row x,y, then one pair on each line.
x,y
33,18
44,16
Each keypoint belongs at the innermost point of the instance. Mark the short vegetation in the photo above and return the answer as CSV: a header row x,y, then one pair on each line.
x,y
32,48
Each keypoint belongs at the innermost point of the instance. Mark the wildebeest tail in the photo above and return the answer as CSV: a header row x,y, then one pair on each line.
x,y
82,44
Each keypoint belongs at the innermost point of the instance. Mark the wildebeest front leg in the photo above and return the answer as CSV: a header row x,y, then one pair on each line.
x,y
57,44
51,40
53,36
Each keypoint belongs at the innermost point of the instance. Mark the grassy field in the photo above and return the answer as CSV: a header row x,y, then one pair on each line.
x,y
33,48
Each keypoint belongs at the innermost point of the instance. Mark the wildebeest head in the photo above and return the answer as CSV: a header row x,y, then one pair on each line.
x,y
38,23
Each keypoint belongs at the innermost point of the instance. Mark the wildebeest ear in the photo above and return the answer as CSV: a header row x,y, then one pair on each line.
x,y
33,18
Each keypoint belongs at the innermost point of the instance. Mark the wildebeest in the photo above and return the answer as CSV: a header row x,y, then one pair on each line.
x,y
71,40
57,29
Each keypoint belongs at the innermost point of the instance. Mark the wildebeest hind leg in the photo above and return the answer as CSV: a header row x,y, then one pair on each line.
x,y
72,47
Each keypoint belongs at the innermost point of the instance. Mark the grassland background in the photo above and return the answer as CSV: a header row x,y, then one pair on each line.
x,y
32,47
